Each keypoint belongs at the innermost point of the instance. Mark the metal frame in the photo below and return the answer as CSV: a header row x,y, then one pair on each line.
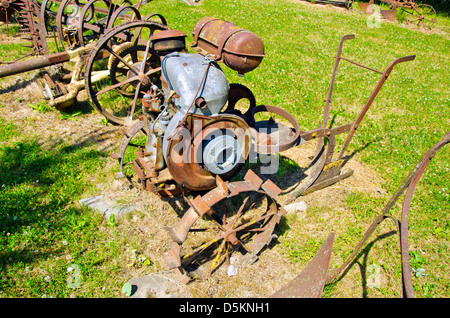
x,y
326,170
311,281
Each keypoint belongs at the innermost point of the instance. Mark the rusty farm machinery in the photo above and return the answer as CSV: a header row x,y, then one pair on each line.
x,y
191,139
75,26
339,3
311,281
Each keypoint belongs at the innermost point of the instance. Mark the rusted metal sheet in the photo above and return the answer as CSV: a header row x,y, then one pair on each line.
x,y
271,188
8,8
253,179
420,13
369,8
278,137
311,281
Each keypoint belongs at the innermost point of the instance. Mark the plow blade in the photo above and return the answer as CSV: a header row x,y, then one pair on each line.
x,y
310,282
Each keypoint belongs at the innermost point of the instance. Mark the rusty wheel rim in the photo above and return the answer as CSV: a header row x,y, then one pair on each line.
x,y
120,73
236,226
134,140
103,95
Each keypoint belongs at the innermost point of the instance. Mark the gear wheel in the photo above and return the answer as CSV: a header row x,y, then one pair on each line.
x,y
236,93
133,54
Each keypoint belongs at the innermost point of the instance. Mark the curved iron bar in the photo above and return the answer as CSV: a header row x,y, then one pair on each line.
x,y
409,185
324,158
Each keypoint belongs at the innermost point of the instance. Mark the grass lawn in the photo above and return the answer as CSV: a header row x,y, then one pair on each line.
x,y
43,230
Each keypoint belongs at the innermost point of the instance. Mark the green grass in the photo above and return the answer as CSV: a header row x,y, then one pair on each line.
x,y
410,114
44,232
7,50
41,230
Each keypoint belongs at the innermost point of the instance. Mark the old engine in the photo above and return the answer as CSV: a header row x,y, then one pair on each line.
x,y
193,129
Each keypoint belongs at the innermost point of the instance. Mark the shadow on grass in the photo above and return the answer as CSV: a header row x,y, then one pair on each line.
x,y
362,263
19,84
37,187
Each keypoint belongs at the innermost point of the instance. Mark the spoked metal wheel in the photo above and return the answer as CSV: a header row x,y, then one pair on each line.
x,y
134,140
93,20
424,14
239,218
67,17
134,69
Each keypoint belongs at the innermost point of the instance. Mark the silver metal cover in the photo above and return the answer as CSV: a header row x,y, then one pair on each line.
x,y
184,73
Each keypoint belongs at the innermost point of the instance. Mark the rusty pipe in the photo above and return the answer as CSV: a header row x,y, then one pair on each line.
x,y
29,65
370,101
333,77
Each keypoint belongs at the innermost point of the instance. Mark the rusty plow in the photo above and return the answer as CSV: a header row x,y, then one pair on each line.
x,y
311,281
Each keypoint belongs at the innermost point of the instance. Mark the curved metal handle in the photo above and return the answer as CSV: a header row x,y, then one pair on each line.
x,y
419,169
369,102
292,141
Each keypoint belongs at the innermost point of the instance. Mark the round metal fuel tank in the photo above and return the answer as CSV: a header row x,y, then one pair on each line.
x,y
239,49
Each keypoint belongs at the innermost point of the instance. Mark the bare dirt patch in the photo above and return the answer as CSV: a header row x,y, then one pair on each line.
x,y
22,90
